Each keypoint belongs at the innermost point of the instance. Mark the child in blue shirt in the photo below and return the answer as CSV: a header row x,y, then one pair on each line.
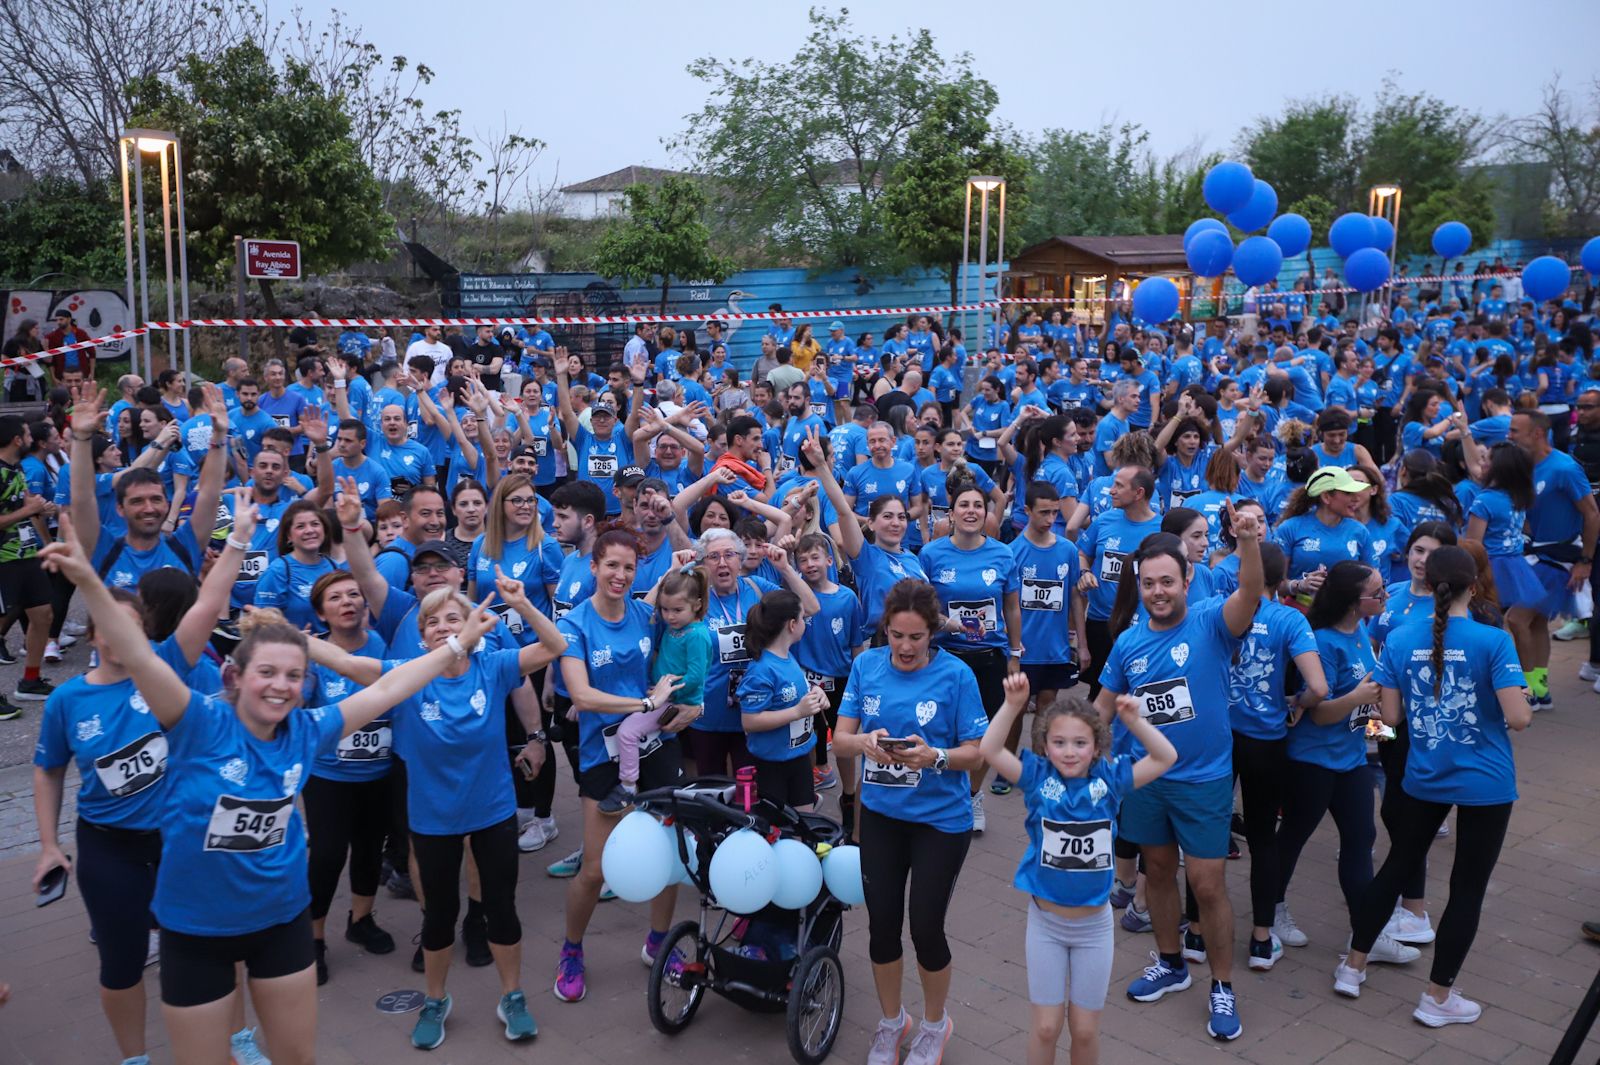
x,y
1073,790
777,705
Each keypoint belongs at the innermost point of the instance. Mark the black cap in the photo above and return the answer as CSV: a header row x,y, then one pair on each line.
x,y
630,477
434,547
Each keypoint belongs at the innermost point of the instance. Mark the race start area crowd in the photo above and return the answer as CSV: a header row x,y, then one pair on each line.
x,y
346,606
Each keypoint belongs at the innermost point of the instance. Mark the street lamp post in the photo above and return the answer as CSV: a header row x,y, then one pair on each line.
x,y
985,185
1383,201
139,143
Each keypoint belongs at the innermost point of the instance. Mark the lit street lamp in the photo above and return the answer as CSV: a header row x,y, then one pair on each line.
x,y
138,143
984,185
1383,201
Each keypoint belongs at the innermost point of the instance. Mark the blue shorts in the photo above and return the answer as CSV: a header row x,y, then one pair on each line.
x,y
841,387
1195,816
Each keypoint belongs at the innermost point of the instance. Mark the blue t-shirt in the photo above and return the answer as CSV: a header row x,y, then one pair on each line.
x,y
1048,577
934,483
1111,428
938,702
366,753
725,617
233,846
876,572
285,413
1180,678
131,564
1308,543
119,746
831,637
452,735
601,460
1502,534
250,428
867,482
537,567
405,464
1256,703
776,682
1071,826
617,657
1558,483
1108,543
986,417
372,483
287,585
1347,658
1460,751
1402,608
972,586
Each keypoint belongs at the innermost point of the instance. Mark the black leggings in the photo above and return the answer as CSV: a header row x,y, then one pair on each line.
x,y
835,697
1392,756
344,817
60,601
117,875
1259,766
543,787
1480,831
1312,791
892,852
988,667
1100,641
439,863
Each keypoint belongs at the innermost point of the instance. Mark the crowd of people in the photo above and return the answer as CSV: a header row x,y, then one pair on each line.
x,y
1293,556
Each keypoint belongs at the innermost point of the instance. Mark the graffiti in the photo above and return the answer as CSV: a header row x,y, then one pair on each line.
x,y
97,310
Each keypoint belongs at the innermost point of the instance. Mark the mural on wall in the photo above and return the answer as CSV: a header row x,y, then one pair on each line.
x,y
98,311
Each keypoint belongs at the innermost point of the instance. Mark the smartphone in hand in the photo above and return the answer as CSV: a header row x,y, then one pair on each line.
x,y
52,887
892,743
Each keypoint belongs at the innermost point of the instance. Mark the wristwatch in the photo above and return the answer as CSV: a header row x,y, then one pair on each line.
x,y
538,736
941,759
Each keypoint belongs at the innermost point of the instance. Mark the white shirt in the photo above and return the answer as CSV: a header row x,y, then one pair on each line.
x,y
439,352
635,352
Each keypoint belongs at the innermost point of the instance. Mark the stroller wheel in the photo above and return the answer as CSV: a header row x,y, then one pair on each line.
x,y
677,979
816,1005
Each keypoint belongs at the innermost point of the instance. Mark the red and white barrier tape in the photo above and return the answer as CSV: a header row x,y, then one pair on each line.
x,y
96,342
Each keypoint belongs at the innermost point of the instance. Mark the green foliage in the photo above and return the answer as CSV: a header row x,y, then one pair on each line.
x,y
1080,183
267,154
1310,150
60,226
1420,142
661,236
1319,212
1470,200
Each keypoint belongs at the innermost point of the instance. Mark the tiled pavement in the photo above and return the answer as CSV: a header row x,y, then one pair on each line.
x,y
1530,966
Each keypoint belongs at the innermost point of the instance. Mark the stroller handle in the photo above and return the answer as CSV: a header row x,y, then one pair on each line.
x,y
702,802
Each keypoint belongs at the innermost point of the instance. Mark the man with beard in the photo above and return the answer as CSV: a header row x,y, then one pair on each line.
x,y
801,422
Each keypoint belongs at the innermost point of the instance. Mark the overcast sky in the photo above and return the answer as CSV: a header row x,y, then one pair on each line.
x,y
603,84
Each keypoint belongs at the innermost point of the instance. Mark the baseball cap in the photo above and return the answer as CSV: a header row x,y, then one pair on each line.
x,y
1333,479
630,477
603,406
836,325
62,313
523,449
433,547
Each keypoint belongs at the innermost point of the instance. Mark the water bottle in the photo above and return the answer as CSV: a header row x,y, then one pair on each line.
x,y
745,787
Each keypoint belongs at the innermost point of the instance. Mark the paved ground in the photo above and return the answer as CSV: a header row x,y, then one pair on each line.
x,y
1530,966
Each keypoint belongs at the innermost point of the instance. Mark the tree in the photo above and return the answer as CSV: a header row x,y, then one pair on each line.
x,y
268,154
803,147
924,205
661,236
1568,141
1080,182
1470,200
63,100
1311,150
1320,213
1420,142
60,226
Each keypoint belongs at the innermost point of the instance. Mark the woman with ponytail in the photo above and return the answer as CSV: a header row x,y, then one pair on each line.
x,y
1423,493
777,706
1459,688
1496,518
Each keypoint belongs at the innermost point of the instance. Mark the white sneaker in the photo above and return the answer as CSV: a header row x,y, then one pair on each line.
x,y
1455,1009
525,817
152,952
1406,927
1588,672
66,640
73,628
1597,685
1444,830
1348,981
1391,951
979,821
886,1040
52,652
1284,928
539,832
1574,629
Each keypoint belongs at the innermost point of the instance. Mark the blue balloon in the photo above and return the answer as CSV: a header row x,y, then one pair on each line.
x,y
842,871
1228,186
1350,233
1259,211
1292,232
744,873
1366,269
1210,253
638,861
1591,255
1257,261
1545,278
681,873
1451,239
1155,300
1382,233
799,874
1202,225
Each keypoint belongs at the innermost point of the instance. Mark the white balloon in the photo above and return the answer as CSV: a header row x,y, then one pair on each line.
x,y
842,871
799,874
744,873
638,861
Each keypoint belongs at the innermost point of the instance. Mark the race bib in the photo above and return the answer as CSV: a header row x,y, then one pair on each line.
x,y
982,611
1111,565
411,430
890,776
133,768
1043,595
399,487
937,514
825,683
1075,846
281,421
1181,496
252,565
369,743
559,610
512,619
986,443
820,410
785,463
602,467
800,731
730,645
1361,715
649,743
541,447
1166,702
248,824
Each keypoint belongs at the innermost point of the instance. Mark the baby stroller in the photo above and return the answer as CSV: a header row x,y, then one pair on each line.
x,y
773,961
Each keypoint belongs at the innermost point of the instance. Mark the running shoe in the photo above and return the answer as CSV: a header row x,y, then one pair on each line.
x,y
1194,947
1348,981
618,801
428,1032
33,691
979,821
52,652
9,711
1285,929
1135,919
1234,853
823,778
418,963
652,947
569,974
366,934
1158,980
399,884
1591,930
137,1059
321,948
242,1045
1455,1009
536,834
1000,786
1575,629
1224,1023
566,867
1587,671
606,894
152,953
1264,953
513,1012
6,657
1406,927
74,628
1121,895
927,1046
1537,703
475,937
886,1040
1391,951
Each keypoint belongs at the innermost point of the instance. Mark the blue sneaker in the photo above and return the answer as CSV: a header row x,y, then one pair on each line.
x,y
1159,980
513,1011
566,867
428,1032
242,1045
652,947
1135,919
1121,895
1224,1023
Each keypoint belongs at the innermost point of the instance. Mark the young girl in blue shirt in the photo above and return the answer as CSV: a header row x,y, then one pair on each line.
x,y
777,705
1072,788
